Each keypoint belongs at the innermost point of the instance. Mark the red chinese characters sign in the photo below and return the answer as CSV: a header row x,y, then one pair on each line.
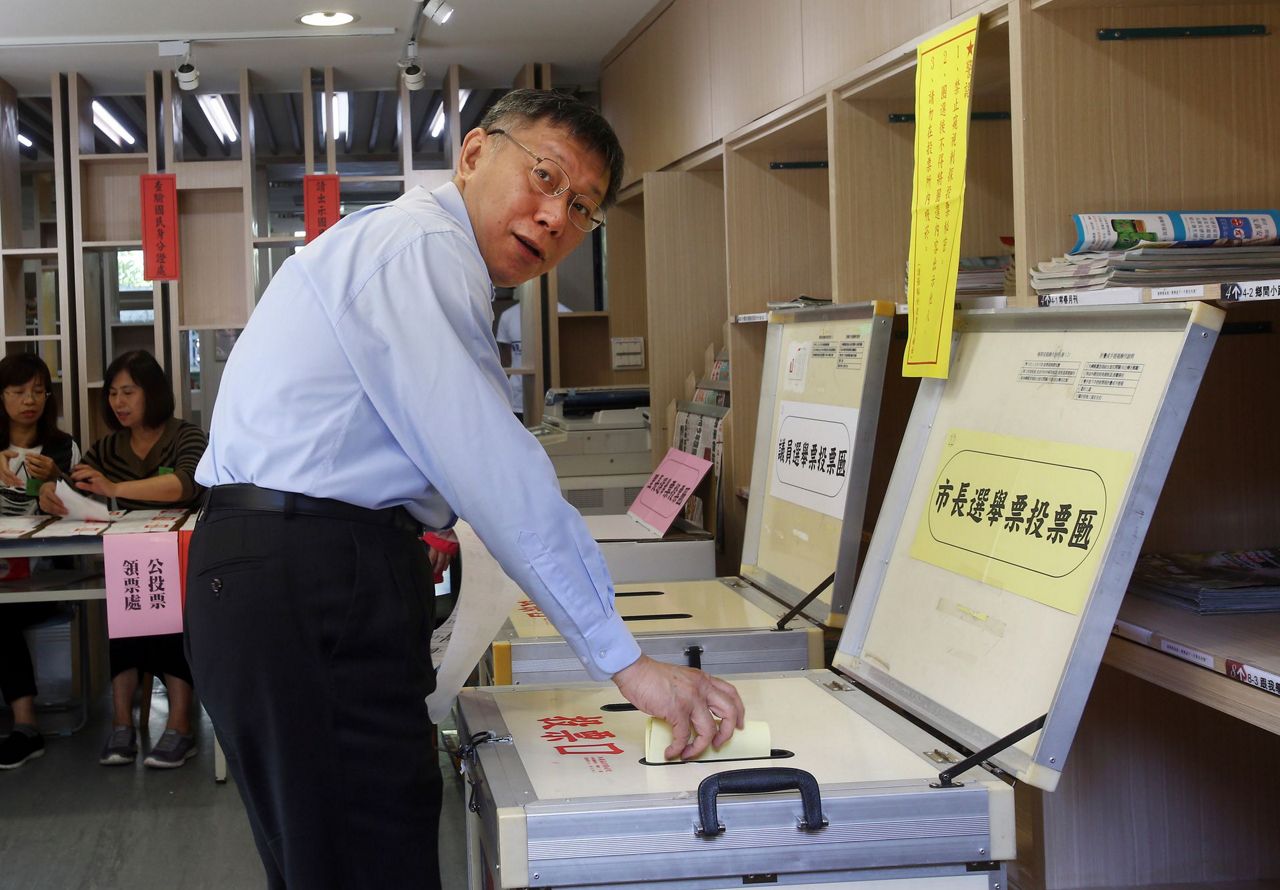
x,y
159,193
321,203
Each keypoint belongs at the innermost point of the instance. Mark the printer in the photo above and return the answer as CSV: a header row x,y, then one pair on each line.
x,y
598,440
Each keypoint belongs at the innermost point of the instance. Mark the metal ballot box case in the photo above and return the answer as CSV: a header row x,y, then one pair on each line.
x,y
820,401
1020,497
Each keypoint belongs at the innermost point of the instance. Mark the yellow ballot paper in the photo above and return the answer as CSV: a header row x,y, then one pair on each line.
x,y
944,85
1025,515
752,741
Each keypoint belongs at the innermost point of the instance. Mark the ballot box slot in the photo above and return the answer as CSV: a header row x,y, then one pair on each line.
x,y
658,616
774,754
624,593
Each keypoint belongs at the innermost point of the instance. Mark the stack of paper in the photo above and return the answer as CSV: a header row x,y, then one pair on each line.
x,y
1211,583
1155,267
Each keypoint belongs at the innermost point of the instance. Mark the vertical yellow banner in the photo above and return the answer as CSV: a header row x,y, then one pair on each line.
x,y
944,86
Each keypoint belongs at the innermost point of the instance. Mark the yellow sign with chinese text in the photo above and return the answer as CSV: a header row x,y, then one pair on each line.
x,y
944,87
1025,515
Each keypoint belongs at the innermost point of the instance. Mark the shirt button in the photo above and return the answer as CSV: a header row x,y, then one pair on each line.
x,y
603,652
215,585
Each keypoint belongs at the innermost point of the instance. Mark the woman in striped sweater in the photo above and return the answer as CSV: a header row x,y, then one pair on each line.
x,y
148,461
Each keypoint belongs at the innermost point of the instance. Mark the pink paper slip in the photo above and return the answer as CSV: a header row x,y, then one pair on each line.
x,y
144,596
664,495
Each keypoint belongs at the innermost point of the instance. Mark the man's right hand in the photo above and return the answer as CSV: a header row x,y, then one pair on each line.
x,y
688,699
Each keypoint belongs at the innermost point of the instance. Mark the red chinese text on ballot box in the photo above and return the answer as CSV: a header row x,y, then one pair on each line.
x,y
321,203
160,261
144,596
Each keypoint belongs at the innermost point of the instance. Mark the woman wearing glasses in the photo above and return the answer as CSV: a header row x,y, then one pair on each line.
x,y
147,461
32,451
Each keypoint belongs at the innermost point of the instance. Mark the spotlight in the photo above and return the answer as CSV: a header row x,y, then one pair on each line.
x,y
438,11
414,77
188,76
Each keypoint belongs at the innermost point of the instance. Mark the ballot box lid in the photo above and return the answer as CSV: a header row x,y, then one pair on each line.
x,y
823,372
1016,510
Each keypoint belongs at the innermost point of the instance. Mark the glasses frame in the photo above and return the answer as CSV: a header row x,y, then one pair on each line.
x,y
23,395
537,159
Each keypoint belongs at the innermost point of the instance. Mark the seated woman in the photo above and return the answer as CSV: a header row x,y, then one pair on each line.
x,y
148,461
31,448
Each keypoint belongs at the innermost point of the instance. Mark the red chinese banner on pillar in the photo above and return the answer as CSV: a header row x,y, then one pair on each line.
x,y
321,203
160,260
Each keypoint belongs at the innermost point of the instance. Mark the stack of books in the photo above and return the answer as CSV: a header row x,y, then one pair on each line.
x,y
1136,257
984,276
1211,583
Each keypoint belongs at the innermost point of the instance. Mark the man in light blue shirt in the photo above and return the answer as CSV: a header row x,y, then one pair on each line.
x,y
366,390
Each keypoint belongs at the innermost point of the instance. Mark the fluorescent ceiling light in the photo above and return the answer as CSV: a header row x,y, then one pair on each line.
x,y
299,234
327,19
341,111
103,120
24,140
437,122
215,110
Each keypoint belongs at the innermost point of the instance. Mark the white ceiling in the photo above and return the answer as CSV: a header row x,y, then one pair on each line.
x,y
112,42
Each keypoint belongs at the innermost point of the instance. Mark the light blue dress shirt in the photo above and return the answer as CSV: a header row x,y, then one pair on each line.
x,y
369,374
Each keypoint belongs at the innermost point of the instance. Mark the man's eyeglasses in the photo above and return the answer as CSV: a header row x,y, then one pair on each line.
x,y
550,179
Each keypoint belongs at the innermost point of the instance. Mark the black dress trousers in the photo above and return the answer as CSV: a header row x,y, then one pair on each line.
x,y
309,641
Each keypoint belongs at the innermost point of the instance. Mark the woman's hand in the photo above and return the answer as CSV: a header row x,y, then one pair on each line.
x,y
41,467
88,479
8,477
50,502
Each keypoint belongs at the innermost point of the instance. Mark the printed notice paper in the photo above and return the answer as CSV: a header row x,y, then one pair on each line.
x,y
1025,515
811,462
664,495
944,84
144,595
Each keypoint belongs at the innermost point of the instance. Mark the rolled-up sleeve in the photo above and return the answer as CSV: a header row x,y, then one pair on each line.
x,y
417,333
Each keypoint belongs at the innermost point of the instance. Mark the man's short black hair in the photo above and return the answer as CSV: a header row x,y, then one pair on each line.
x,y
150,377
576,117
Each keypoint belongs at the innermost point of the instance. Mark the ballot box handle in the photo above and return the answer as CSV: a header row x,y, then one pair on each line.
x,y
759,781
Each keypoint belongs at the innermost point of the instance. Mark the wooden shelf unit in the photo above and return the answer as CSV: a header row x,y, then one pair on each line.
x,y
33,260
1093,125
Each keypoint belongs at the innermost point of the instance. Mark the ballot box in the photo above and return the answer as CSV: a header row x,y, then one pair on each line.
x,y
1019,499
819,404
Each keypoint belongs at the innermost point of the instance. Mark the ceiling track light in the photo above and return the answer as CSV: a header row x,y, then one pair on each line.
x,y
415,78
187,74
438,11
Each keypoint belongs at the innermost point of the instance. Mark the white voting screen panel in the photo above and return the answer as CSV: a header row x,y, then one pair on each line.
x,y
821,374
977,614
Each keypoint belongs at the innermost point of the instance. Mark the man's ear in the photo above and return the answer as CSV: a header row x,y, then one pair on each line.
x,y
469,155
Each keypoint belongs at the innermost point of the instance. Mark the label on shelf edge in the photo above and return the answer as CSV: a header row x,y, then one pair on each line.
x,y
1252,676
1186,653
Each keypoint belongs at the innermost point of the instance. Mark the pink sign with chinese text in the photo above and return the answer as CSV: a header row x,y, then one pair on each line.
x,y
664,495
144,596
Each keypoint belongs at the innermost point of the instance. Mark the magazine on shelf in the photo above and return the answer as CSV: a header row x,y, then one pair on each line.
x,y
1208,228
1211,583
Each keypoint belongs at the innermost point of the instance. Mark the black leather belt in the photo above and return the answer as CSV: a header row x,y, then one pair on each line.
x,y
268,500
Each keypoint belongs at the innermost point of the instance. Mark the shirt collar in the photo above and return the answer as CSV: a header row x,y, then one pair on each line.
x,y
448,197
